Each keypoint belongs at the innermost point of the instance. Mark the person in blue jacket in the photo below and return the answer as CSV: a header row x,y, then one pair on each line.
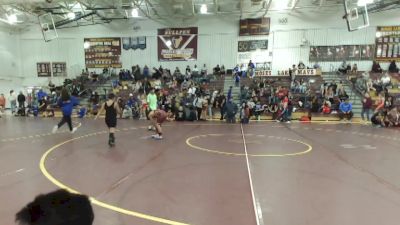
x,y
345,110
66,103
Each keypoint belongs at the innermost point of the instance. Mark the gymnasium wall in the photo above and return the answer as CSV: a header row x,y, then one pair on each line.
x,y
217,42
9,60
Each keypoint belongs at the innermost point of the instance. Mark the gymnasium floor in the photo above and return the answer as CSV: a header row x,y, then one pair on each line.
x,y
330,174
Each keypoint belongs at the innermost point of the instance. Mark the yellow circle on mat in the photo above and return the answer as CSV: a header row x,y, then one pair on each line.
x,y
94,201
188,142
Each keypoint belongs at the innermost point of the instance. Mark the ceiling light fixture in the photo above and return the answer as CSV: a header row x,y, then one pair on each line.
x,y
12,18
168,43
86,45
135,12
364,2
71,15
203,9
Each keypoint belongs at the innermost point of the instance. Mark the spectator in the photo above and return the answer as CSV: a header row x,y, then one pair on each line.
x,y
301,65
204,71
237,80
146,71
245,113
222,72
393,67
13,102
250,69
2,104
198,103
229,96
366,106
188,71
345,110
380,102
236,70
370,86
343,68
57,208
316,66
217,70
376,67
21,100
195,71
354,69
386,81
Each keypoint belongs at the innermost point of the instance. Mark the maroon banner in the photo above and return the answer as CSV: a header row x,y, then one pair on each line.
x,y
177,44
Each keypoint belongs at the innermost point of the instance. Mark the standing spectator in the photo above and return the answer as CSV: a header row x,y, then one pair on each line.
x,y
217,70
380,102
354,70
13,101
301,65
237,80
343,68
198,103
345,110
367,105
230,93
245,113
188,72
250,69
21,102
146,71
2,104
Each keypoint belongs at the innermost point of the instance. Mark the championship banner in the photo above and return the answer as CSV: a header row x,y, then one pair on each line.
x,y
177,44
255,26
134,43
43,69
387,44
340,53
102,52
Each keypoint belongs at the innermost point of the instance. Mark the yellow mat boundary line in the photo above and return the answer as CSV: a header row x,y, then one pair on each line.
x,y
92,199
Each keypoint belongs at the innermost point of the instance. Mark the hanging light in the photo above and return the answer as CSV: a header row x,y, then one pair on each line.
x,y
378,34
168,43
135,12
86,45
12,18
203,9
364,2
71,15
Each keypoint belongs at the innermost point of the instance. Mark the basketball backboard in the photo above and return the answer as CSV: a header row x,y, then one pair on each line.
x,y
48,27
356,15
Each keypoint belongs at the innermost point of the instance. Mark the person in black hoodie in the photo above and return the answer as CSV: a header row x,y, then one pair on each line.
x,y
393,67
21,103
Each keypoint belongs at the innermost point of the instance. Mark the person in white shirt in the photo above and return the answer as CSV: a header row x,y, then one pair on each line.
x,y
386,81
204,70
198,103
192,91
13,101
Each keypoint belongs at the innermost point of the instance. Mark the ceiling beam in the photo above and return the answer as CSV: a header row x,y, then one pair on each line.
x,y
267,5
294,4
216,7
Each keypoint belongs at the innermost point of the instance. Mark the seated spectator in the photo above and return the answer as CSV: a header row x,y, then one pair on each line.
x,y
195,71
177,72
361,85
326,107
157,74
354,69
316,66
146,71
217,70
204,70
301,65
223,71
376,67
386,81
58,207
345,110
393,67
370,86
188,71
343,68
340,88
379,118
393,118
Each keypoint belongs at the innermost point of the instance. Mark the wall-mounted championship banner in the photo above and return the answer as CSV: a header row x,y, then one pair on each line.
x,y
177,44
134,43
387,44
341,53
43,69
102,52
248,46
